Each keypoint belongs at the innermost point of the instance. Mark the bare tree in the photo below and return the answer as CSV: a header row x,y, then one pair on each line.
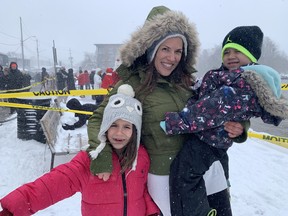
x,y
89,61
273,57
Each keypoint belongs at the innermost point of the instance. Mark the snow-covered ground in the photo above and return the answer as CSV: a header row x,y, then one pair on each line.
x,y
258,171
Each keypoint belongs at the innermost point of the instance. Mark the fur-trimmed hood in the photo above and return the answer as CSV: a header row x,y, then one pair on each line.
x,y
267,98
161,21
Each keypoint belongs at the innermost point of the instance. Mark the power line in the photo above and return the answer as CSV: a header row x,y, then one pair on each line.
x,y
10,44
9,35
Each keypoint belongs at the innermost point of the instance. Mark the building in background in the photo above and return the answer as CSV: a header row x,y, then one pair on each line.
x,y
106,54
4,60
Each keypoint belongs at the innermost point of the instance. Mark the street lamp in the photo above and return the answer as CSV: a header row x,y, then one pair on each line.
x,y
22,46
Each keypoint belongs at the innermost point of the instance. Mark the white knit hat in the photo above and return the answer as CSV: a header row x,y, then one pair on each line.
x,y
123,106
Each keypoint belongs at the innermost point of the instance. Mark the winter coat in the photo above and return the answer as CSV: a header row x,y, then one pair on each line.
x,y
14,80
86,78
81,79
109,80
91,77
97,81
166,96
60,80
98,197
2,80
26,80
228,96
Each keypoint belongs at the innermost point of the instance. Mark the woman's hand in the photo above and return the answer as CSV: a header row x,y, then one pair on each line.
x,y
234,129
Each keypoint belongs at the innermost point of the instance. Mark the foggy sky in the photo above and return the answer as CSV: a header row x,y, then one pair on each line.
x,y
76,26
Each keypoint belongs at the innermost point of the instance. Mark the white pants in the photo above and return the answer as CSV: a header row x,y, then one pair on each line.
x,y
158,186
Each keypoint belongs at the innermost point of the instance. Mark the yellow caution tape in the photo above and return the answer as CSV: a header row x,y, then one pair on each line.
x,y
281,141
28,106
284,86
21,89
27,87
55,93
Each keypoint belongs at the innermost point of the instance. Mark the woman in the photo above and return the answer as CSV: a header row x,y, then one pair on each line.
x,y
158,62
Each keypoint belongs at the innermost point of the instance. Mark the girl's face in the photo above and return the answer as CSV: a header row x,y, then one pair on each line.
x,y
119,134
168,55
233,59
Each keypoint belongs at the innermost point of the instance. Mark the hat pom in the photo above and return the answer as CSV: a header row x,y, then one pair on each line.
x,y
94,154
126,90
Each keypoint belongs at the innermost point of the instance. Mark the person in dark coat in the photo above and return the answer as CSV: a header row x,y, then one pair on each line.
x,y
2,80
44,77
61,78
75,104
70,79
15,77
27,80
91,77
15,82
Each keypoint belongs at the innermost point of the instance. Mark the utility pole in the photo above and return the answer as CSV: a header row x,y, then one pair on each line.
x,y
22,46
54,57
37,55
71,58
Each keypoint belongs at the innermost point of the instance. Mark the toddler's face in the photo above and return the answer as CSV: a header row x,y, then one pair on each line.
x,y
233,59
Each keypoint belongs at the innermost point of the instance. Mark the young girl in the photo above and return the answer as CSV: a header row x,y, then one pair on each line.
x,y
224,95
125,193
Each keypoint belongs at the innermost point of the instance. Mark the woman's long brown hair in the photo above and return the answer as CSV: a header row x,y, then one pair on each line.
x,y
180,77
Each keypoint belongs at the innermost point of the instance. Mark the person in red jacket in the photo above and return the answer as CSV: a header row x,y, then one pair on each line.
x,y
124,193
110,78
81,80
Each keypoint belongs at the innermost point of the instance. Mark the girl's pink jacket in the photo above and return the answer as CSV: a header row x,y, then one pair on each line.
x,y
98,197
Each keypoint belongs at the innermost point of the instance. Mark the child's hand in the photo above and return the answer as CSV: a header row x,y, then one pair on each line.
x,y
104,176
163,126
234,129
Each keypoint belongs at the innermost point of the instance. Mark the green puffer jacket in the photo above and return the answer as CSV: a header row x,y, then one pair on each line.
x,y
161,148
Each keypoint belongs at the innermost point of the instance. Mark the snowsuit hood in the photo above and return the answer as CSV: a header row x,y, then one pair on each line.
x,y
271,103
161,21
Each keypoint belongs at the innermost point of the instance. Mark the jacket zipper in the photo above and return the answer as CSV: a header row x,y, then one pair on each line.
x,y
125,194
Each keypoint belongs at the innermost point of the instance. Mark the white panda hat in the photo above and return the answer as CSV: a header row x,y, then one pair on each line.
x,y
123,106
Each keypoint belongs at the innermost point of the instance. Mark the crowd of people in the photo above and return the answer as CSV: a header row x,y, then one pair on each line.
x,y
133,164
95,79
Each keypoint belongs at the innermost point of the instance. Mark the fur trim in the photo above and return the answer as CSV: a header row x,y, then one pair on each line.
x,y
154,29
267,99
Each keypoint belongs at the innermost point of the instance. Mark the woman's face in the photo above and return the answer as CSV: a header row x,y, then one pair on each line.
x,y
119,134
168,56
